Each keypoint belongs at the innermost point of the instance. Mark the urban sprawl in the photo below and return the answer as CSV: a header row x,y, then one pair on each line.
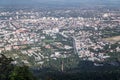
x,y
32,36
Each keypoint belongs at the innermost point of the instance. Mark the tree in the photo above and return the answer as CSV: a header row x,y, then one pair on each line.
x,y
8,71
21,73
5,67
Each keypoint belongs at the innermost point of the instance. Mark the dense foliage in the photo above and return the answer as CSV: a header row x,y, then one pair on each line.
x,y
88,73
9,71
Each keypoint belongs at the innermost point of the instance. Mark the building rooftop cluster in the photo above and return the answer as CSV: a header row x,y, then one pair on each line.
x,y
62,35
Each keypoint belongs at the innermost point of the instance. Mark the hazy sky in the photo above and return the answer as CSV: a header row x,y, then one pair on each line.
x,y
10,2
28,1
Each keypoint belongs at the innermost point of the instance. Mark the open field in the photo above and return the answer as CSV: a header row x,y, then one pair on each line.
x,y
113,39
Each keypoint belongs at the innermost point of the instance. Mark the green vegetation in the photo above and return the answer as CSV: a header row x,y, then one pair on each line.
x,y
85,70
16,55
48,41
95,75
62,63
110,32
9,71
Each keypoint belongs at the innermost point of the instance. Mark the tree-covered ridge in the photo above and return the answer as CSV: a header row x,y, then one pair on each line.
x,y
8,71
85,71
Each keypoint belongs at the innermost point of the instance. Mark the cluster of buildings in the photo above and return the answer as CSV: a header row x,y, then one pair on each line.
x,y
30,32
